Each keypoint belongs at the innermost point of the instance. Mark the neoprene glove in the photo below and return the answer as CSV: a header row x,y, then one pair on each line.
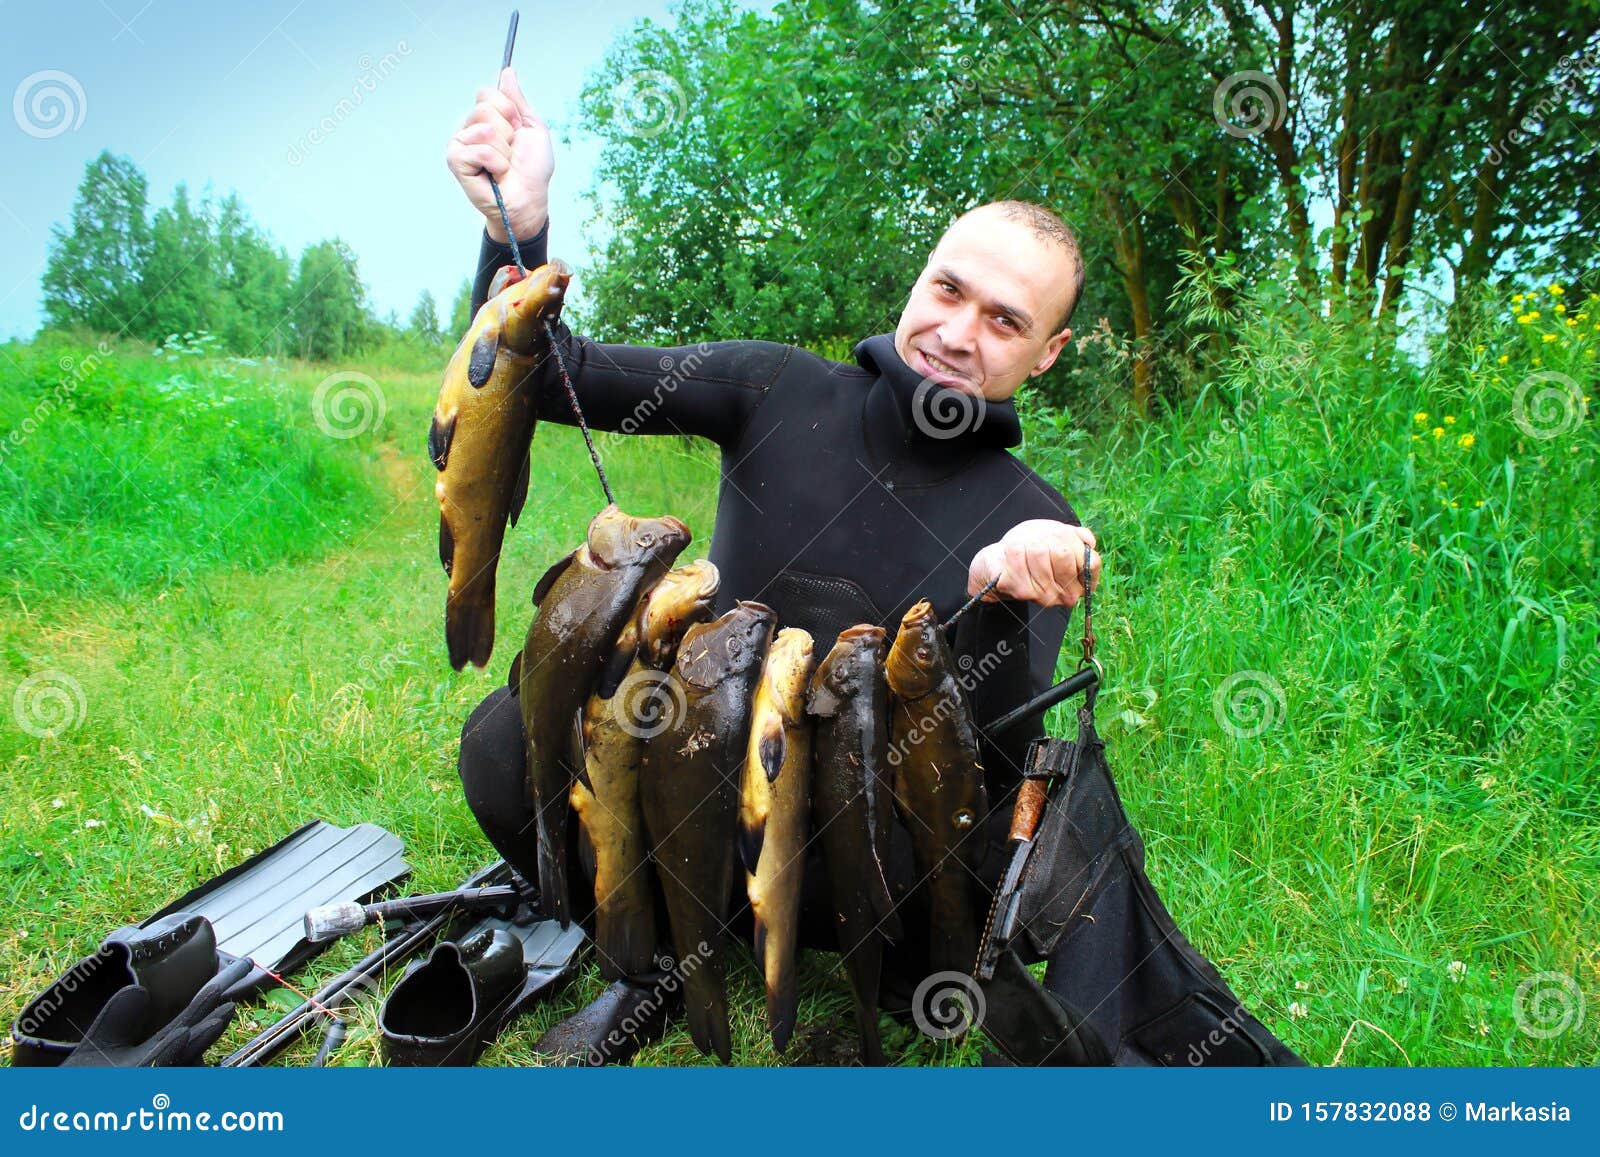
x,y
113,1039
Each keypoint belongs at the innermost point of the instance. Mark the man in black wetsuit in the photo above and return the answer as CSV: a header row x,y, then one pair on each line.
x,y
848,492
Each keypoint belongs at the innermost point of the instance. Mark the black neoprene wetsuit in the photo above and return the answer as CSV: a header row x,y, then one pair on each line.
x,y
846,495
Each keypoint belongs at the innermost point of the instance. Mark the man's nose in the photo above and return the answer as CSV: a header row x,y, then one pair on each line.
x,y
959,330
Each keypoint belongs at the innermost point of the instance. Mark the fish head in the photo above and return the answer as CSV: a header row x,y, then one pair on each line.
x,y
530,302
681,599
728,646
849,669
788,670
617,539
919,655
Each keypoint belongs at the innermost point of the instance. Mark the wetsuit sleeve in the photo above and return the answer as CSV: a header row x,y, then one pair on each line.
x,y
709,390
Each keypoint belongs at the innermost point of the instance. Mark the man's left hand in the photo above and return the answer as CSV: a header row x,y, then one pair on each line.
x,y
1039,561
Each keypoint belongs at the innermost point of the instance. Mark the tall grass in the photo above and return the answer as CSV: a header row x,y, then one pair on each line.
x,y
1353,671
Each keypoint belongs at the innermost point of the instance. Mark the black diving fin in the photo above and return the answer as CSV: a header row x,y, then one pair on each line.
x,y
258,908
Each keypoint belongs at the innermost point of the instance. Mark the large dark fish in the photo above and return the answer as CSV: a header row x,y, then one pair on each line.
x,y
938,783
689,788
583,602
852,810
775,819
482,426
612,733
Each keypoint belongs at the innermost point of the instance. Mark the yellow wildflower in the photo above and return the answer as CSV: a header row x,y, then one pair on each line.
x,y
1549,337
1466,441
1438,431
1572,322
1556,291
1449,420
1504,358
1560,308
1478,349
1524,318
1421,417
1533,315
1416,437
1516,299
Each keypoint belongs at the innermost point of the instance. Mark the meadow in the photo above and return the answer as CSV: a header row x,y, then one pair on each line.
x,y
1349,627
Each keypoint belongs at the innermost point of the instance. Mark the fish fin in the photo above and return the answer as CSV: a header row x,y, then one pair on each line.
x,y
519,492
580,758
514,676
708,1025
624,942
447,544
752,837
548,579
469,627
480,364
439,437
615,671
772,749
586,850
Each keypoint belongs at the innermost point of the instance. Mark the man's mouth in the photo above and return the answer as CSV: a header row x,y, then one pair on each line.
x,y
940,368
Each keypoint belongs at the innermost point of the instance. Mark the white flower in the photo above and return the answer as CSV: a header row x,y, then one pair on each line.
x,y
1302,986
94,824
58,802
1457,970
1298,1011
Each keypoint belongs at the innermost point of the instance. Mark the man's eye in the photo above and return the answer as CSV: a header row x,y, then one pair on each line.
x,y
1009,323
947,287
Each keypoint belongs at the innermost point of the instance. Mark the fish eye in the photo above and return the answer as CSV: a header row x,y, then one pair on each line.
x,y
922,654
647,539
964,819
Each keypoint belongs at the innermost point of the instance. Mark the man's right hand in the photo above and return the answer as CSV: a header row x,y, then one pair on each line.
x,y
505,138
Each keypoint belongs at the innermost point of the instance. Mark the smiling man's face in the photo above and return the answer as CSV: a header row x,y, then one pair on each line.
x,y
982,316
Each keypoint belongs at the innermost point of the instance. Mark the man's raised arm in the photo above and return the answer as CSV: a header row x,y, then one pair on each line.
x,y
709,390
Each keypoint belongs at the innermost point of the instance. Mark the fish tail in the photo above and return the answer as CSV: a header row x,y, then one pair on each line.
x,y
552,825
469,624
865,966
624,940
783,995
707,1005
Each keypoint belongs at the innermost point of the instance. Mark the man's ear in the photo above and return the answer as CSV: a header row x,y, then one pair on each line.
x,y
1052,350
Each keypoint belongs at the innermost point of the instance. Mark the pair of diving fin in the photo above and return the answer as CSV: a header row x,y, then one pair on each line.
x,y
253,912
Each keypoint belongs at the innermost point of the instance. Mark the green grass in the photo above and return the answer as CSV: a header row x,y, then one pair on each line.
x,y
252,613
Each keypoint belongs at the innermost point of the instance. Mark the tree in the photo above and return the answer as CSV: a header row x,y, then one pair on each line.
x,y
424,322
179,279
253,279
461,310
92,272
329,302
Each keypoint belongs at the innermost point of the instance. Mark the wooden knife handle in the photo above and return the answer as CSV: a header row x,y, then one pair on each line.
x,y
1030,806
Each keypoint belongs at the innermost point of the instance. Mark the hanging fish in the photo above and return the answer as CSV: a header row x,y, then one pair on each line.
x,y
482,426
584,600
775,820
852,810
689,790
615,726
938,783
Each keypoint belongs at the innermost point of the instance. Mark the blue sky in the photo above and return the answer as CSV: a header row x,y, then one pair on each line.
x,y
228,94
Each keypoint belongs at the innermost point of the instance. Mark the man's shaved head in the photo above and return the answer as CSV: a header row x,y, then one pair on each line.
x,y
991,308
